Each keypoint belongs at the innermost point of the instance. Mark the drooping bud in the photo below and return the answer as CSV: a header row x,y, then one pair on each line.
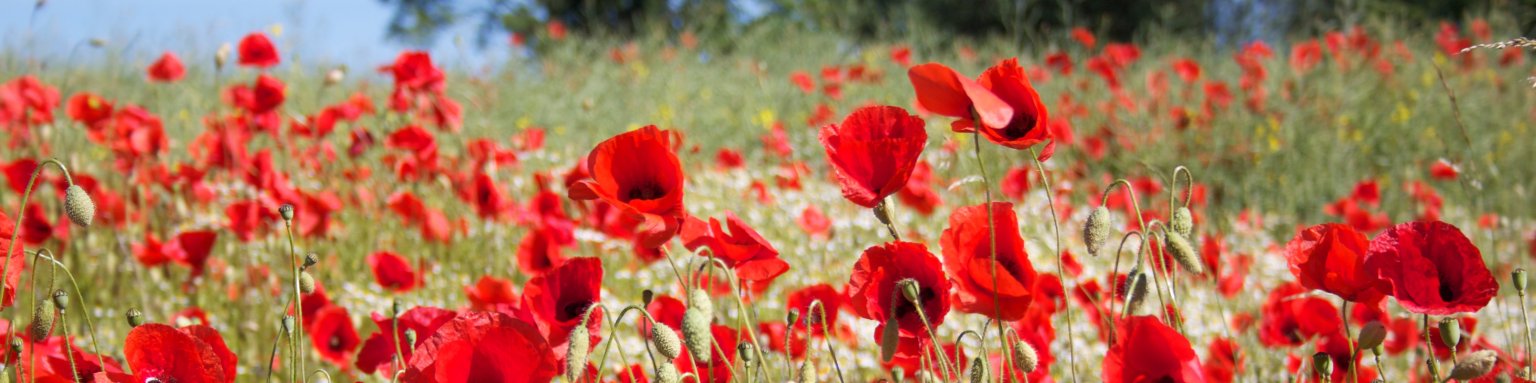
x,y
1024,357
666,341
889,337
285,211
1182,221
696,320
42,320
807,373
979,373
1518,278
667,373
1096,230
1322,364
646,297
1136,292
1183,252
135,317
78,206
1474,365
61,299
910,290
1450,332
576,353
306,282
1371,335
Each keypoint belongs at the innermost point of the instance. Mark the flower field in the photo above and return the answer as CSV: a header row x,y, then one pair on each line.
x,y
793,206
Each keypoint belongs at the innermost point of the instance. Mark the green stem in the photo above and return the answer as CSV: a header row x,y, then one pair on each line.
x,y
1525,321
1429,349
5,271
74,371
826,335
298,299
96,347
1061,266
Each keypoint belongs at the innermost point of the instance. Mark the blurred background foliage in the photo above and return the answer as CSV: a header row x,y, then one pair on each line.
x,y
717,21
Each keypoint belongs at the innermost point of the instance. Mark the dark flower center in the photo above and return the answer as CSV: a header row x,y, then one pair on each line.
x,y
645,191
335,343
1447,293
573,310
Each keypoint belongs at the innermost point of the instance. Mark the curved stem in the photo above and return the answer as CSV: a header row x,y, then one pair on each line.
x,y
74,372
826,335
743,317
52,274
1115,273
321,372
96,347
1429,352
298,299
5,270
1156,276
1189,186
1061,266
394,337
939,346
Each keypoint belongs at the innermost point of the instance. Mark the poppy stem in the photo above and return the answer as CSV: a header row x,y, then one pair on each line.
x,y
272,360
53,272
826,335
45,254
743,317
1349,339
1142,222
1429,349
1114,273
986,184
883,213
74,372
1061,266
943,359
1525,320
298,299
1379,367
5,271
394,337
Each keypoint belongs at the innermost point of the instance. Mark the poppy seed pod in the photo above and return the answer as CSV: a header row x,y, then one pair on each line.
x,y
665,340
311,259
306,282
576,353
646,297
410,337
747,354
42,320
1183,252
1096,230
882,213
1182,221
1322,364
135,317
78,206
1024,357
1474,365
696,321
1371,335
395,308
792,317
979,371
807,373
15,347
667,373
285,211
910,290
61,299
1450,332
1518,277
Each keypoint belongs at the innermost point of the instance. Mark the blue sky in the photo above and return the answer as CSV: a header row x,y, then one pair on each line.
x,y
321,32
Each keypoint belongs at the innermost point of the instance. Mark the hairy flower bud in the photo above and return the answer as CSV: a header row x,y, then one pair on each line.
x,y
1024,357
665,341
1183,252
696,321
1182,221
78,206
1096,230
42,320
306,282
576,353
1136,292
1474,365
1322,363
979,373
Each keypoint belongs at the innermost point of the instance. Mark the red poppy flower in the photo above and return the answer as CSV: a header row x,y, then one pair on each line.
x,y
379,350
873,152
721,359
1331,257
541,251
257,51
559,298
167,69
188,355
638,173
1149,351
490,291
1289,318
917,353
1223,361
740,248
1443,170
486,347
1027,126
831,301
392,271
1432,268
873,291
334,336
88,109
968,258
943,91
413,70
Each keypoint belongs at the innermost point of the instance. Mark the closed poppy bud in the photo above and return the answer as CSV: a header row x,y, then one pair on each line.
x,y
285,211
576,353
898,374
306,282
61,299
747,353
1372,335
882,213
807,373
1450,332
665,340
696,321
410,337
1474,365
78,206
979,371
15,347
1136,292
667,373
395,308
646,297
1183,252
42,320
889,339
1024,357
910,290
1096,230
1518,277
1322,364
1182,221
792,317
923,376
135,317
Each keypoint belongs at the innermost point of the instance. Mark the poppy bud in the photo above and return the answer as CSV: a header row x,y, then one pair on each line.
x,y
1518,277
395,308
286,211
898,374
576,353
311,259
1024,357
889,337
747,353
665,340
1322,364
221,57
61,299
135,317
807,373
306,282
1183,252
1450,332
410,338
667,373
882,213
42,320
646,297
1182,221
792,317
911,290
1474,365
78,206
1096,230
696,321
979,371
15,347
288,325
1371,335
1136,292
